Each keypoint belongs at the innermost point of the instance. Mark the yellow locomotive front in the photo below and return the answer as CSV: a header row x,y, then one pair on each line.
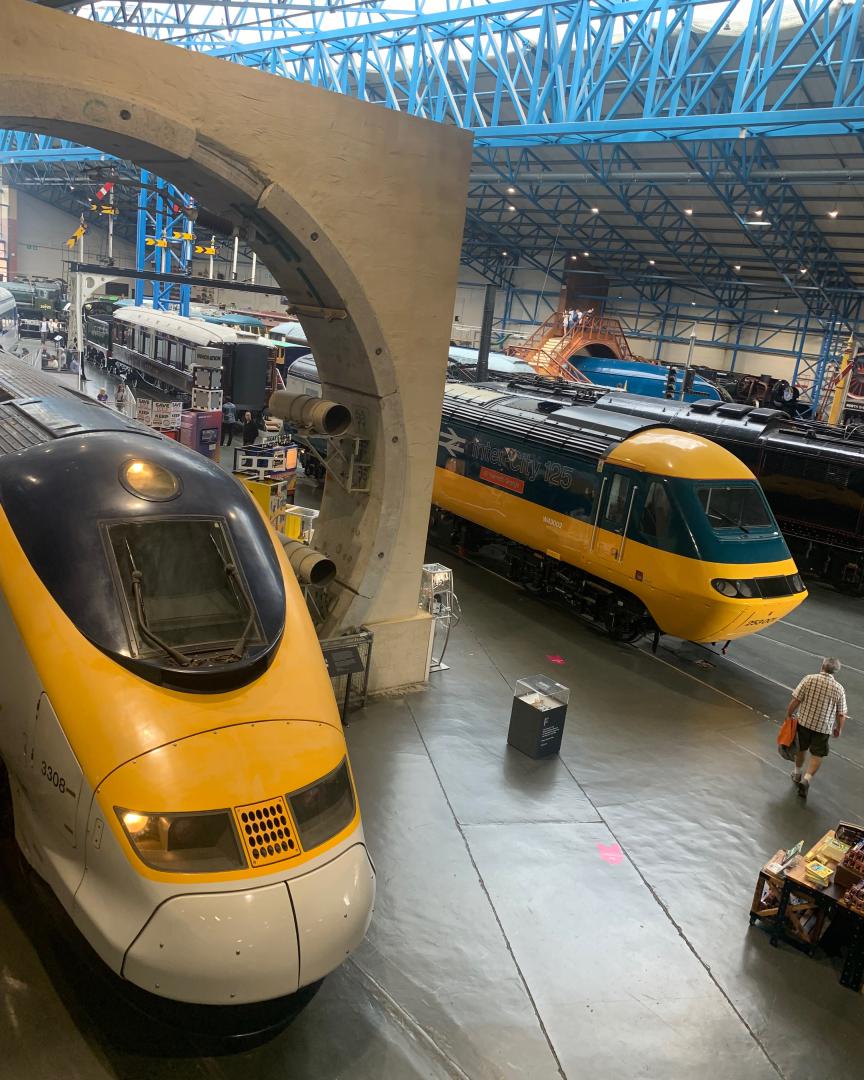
x,y
643,528
684,525
184,785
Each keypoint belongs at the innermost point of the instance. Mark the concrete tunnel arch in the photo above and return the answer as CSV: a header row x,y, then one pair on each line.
x,y
357,211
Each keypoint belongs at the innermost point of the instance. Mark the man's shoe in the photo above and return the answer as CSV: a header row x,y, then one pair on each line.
x,y
803,788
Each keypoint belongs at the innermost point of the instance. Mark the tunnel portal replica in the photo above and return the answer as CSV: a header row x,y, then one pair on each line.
x,y
358,213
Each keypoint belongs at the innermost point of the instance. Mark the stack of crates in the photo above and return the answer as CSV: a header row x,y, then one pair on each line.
x,y
206,400
206,388
270,476
259,460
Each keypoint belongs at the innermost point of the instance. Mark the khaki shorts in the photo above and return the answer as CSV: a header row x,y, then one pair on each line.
x,y
814,741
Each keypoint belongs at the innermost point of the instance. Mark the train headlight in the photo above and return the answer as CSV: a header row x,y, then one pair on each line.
x,y
726,588
741,589
184,843
797,582
324,808
149,481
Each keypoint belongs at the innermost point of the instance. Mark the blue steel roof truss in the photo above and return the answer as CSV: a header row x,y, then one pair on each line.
x,y
592,78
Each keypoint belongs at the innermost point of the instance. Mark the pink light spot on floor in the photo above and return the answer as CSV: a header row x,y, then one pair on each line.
x,y
611,854
556,659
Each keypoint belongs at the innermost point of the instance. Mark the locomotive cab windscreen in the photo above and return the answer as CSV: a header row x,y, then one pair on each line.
x,y
182,589
739,507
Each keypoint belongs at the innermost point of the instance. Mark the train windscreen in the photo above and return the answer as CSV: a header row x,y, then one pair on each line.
x,y
736,506
181,584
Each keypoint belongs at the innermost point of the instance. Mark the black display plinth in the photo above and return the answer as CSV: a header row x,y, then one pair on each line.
x,y
537,717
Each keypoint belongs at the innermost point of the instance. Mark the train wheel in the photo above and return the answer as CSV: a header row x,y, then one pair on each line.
x,y
846,577
622,625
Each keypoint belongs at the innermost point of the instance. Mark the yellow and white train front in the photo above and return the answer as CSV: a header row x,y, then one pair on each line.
x,y
178,768
228,901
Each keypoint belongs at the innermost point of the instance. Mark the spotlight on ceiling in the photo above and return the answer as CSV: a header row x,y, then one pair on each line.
x,y
737,266
803,270
511,208
574,256
595,209
511,190
651,262
587,254
689,211
503,252
776,310
833,212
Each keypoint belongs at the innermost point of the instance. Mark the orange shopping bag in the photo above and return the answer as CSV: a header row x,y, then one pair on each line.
x,y
787,739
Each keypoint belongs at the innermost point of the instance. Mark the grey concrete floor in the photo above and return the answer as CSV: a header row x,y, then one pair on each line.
x,y
586,916
583,916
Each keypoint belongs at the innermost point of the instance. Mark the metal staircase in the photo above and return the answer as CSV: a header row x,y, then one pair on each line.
x,y
549,347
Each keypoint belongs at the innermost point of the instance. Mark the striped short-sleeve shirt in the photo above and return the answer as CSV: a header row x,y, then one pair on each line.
x,y
821,699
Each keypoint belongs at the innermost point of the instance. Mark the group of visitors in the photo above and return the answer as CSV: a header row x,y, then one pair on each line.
x,y
573,317
249,425
49,328
119,395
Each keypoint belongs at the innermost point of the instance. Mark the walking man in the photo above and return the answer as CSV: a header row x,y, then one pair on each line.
x,y
820,702
229,419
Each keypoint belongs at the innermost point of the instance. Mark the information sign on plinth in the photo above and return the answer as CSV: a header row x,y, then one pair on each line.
x,y
538,715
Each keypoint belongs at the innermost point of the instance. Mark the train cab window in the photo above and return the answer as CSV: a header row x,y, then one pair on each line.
x,y
183,592
173,354
617,504
656,524
735,506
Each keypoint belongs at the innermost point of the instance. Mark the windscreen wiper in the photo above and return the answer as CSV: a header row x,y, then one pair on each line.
x,y
233,575
729,520
141,617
